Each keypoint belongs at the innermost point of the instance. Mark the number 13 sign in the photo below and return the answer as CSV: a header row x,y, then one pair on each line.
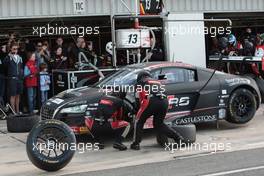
x,y
132,38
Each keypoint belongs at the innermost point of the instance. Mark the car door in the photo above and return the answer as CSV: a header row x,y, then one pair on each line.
x,y
181,87
186,90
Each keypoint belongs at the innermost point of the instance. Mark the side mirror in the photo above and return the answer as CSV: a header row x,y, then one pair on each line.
x,y
162,77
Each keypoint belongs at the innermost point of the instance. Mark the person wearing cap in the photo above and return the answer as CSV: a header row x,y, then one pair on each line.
x,y
152,102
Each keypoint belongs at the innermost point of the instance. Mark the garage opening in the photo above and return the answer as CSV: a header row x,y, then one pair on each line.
x,y
244,43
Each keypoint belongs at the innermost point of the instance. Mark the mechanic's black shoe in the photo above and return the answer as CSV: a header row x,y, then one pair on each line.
x,y
119,146
178,137
135,146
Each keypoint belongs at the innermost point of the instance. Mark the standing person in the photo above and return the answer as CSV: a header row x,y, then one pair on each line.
x,y
14,65
71,55
60,61
3,54
234,46
84,49
248,36
22,52
29,46
152,103
259,46
79,45
91,55
24,55
44,82
39,54
46,52
157,52
31,82
59,43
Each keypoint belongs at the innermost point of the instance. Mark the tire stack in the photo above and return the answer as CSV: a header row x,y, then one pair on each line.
x,y
188,132
21,123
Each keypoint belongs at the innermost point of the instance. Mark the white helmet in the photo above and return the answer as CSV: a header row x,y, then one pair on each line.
x,y
109,48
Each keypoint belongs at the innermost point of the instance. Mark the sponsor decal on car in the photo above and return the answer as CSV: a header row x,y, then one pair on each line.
x,y
91,109
178,101
224,91
196,119
235,81
57,100
222,102
93,104
224,96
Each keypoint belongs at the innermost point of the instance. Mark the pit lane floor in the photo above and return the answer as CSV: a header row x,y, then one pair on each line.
x,y
229,139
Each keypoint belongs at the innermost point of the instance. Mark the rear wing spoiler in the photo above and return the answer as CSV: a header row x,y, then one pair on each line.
x,y
240,59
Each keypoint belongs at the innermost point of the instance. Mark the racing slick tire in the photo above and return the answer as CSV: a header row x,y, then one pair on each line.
x,y
242,106
49,145
21,123
188,132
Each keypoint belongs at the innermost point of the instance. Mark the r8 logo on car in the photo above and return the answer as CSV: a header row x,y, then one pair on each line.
x,y
178,101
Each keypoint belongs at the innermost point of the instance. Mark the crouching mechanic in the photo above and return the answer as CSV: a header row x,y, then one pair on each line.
x,y
154,103
111,111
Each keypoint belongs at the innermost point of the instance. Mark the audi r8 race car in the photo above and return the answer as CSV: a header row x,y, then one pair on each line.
x,y
195,95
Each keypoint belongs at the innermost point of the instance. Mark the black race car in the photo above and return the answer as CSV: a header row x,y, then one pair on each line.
x,y
195,95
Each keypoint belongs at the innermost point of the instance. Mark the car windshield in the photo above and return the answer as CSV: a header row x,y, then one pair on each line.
x,y
125,76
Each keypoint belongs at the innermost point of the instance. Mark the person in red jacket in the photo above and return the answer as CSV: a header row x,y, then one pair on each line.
x,y
259,52
31,81
152,102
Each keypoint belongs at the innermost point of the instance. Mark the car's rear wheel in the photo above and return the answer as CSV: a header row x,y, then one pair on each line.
x,y
49,145
242,106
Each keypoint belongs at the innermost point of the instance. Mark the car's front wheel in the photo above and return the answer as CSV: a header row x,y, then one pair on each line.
x,y
242,106
51,145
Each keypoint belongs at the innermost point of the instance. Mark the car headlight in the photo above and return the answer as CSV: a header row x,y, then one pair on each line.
x,y
75,109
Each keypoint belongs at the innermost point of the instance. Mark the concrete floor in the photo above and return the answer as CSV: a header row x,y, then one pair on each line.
x,y
14,159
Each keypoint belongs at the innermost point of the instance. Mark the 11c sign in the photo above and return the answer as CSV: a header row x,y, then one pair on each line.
x,y
79,6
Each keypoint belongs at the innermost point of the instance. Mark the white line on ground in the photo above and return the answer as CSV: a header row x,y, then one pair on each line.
x,y
235,171
256,144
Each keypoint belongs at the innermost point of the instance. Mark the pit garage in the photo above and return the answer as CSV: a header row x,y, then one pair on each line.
x,y
214,139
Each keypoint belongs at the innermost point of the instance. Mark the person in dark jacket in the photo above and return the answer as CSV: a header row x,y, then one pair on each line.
x,y
31,82
60,43
60,61
14,65
111,113
3,54
153,102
